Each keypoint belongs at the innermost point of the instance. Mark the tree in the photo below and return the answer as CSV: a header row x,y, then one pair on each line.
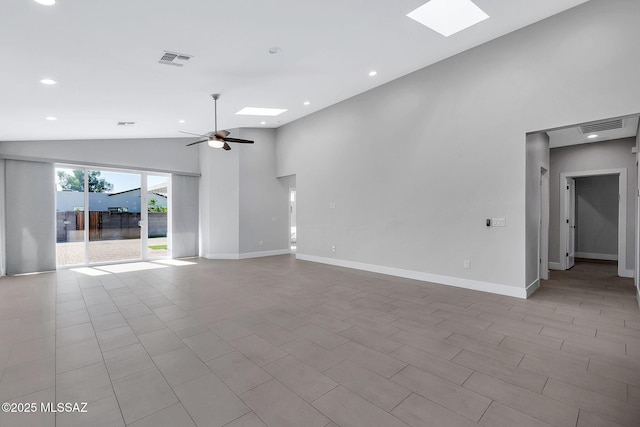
x,y
75,181
154,207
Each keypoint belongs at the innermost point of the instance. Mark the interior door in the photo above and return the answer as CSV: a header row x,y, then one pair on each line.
x,y
571,222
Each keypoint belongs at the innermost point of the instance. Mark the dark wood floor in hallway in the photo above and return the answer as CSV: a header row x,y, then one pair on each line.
x,y
280,342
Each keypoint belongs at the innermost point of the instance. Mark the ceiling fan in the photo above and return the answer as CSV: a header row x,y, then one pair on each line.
x,y
217,139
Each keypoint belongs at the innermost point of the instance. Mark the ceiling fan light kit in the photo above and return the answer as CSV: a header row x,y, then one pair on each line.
x,y
217,139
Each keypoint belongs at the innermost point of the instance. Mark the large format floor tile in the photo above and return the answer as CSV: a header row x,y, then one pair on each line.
x,y
278,342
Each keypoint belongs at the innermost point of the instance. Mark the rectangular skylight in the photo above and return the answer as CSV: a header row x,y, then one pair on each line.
x,y
448,17
257,111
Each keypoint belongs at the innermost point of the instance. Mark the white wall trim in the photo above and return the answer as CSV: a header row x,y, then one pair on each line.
x,y
264,253
588,255
475,285
248,254
555,266
626,273
221,256
533,287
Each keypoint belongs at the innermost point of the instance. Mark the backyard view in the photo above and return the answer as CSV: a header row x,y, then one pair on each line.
x,y
114,218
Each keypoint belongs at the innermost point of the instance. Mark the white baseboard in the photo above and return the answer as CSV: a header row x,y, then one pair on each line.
x,y
475,285
627,273
221,256
248,254
588,255
264,253
555,266
533,287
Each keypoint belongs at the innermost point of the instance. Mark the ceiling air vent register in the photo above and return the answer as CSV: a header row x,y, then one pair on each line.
x,y
602,126
126,123
176,59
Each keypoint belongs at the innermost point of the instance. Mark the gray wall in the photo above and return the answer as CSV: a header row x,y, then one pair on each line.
x,y
416,165
537,158
597,216
241,201
3,251
184,216
595,156
264,212
30,225
163,155
219,201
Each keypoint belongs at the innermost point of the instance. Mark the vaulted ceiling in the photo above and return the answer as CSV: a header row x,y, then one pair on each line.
x,y
104,56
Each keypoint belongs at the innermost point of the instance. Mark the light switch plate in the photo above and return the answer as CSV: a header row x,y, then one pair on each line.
x,y
498,222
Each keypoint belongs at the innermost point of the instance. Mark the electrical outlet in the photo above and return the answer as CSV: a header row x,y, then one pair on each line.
x,y
333,248
261,242
332,205
467,263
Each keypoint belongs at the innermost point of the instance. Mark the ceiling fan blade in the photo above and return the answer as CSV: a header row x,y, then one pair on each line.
x,y
222,133
240,141
226,147
196,134
197,142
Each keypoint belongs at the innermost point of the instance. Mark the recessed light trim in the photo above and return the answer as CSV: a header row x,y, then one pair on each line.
x,y
260,111
48,82
51,118
592,136
182,121
263,123
306,103
448,17
46,2
372,73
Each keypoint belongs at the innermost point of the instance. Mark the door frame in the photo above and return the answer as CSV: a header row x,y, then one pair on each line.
x,y
622,216
543,229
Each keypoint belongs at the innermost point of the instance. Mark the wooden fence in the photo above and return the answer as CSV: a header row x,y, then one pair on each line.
x,y
107,225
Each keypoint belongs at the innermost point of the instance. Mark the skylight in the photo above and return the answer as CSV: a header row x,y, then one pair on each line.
x,y
256,111
448,17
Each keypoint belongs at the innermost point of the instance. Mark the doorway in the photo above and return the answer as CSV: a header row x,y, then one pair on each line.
x,y
107,215
568,227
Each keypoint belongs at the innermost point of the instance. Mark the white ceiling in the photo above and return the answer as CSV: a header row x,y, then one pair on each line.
x,y
104,54
573,135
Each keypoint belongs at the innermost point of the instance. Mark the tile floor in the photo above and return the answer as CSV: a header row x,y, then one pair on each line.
x,y
279,342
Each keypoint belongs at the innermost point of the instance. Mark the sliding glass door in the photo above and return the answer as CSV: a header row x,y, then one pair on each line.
x,y
157,224
114,216
106,216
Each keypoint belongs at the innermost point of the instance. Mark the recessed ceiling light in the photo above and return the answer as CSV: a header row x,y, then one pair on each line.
x,y
263,123
372,73
46,2
50,118
182,121
48,82
258,111
306,103
592,136
448,17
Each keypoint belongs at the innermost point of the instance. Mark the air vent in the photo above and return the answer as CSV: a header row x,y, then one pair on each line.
x,y
126,123
602,126
177,59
